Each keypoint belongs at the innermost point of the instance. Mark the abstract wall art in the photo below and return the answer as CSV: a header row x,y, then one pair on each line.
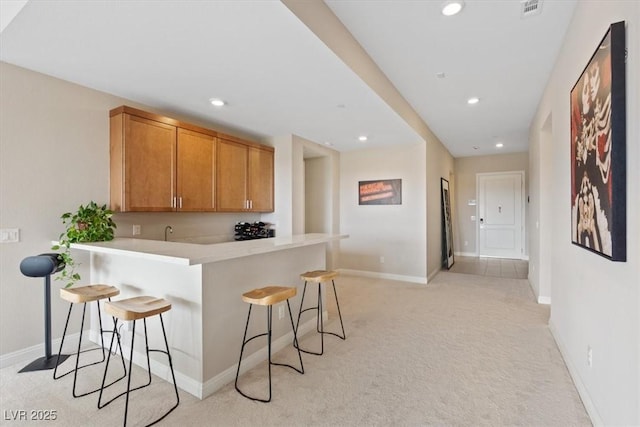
x,y
598,154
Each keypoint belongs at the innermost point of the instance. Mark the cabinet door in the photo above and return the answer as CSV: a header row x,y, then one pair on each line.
x,y
196,169
260,180
149,156
231,176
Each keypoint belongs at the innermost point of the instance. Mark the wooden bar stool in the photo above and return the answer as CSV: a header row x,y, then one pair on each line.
x,y
320,276
268,296
83,295
134,309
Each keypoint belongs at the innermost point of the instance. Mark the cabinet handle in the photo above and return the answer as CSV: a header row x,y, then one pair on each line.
x,y
180,202
250,204
173,202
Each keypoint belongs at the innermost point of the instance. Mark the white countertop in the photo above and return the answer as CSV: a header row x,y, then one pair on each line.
x,y
193,254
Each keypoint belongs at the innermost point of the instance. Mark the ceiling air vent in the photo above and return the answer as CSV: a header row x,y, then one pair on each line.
x,y
530,8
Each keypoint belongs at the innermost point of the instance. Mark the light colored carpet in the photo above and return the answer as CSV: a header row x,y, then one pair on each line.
x,y
464,350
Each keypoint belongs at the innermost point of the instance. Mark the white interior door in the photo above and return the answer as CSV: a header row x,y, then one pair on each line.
x,y
500,215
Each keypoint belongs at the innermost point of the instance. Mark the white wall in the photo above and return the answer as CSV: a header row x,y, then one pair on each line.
x,y
283,214
395,232
595,302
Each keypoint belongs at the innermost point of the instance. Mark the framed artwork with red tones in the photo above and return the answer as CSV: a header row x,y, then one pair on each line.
x,y
598,153
380,192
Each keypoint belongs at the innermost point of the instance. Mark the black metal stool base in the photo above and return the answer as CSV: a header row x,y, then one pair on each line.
x,y
61,357
319,319
44,363
129,389
268,335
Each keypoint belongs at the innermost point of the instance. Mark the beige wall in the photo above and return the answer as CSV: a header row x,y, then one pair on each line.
x,y
540,221
317,191
465,190
54,155
440,164
595,303
395,232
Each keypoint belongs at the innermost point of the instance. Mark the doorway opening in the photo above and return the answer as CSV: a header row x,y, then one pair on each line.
x,y
317,192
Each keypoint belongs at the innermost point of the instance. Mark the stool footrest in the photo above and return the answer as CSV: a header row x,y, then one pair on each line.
x,y
159,306
321,276
268,335
92,293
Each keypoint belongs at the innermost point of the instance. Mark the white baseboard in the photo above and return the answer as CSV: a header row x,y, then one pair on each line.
x,y
475,255
577,381
472,254
377,275
544,300
29,354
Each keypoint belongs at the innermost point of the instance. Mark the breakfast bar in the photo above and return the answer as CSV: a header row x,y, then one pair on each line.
x,y
204,284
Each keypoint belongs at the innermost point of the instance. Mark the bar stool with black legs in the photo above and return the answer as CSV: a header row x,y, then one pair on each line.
x,y
268,296
134,309
320,276
84,295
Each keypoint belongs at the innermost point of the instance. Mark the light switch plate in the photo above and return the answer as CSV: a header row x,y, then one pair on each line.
x,y
9,235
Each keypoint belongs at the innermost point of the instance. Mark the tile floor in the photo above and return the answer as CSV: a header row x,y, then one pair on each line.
x,y
498,267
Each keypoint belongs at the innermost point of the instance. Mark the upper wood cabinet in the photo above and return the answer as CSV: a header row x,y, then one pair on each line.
x,y
196,171
244,174
158,165
260,179
164,165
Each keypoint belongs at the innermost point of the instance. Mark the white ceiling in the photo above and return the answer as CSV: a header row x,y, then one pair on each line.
x,y
279,78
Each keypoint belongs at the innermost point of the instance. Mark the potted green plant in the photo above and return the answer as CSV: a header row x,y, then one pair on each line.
x,y
90,223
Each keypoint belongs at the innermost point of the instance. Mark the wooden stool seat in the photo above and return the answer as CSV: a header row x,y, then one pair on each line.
x,y
319,276
88,293
269,295
137,307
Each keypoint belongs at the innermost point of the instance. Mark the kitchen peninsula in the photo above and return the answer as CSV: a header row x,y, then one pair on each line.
x,y
204,283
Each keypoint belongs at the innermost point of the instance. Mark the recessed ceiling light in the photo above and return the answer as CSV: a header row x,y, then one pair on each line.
x,y
475,147
499,145
217,102
440,75
362,138
328,144
473,100
451,8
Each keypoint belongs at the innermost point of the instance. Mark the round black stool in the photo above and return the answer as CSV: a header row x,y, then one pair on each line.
x,y
44,265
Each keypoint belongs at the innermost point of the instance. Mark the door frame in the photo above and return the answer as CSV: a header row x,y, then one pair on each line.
x,y
522,207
